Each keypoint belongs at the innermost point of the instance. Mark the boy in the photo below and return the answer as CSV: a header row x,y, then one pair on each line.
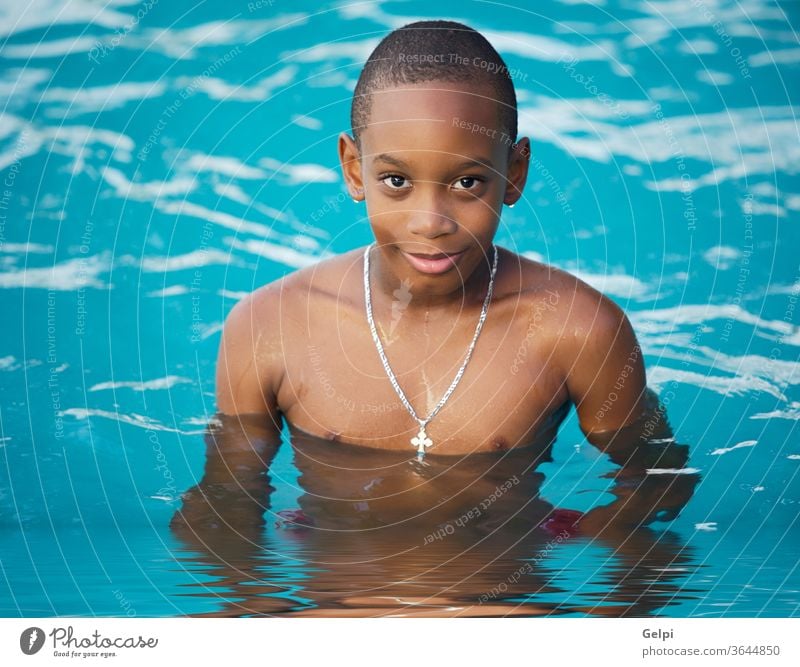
x,y
433,156
431,343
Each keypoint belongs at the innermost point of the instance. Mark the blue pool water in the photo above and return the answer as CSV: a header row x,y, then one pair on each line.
x,y
160,160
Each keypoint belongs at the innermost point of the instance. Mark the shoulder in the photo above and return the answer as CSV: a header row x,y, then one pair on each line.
x,y
273,301
577,303
259,329
598,354
527,273
249,366
585,324
260,319
329,279
583,310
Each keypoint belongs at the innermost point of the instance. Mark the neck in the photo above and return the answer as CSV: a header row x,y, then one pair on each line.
x,y
418,299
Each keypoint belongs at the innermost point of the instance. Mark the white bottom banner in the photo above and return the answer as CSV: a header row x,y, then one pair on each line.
x,y
398,641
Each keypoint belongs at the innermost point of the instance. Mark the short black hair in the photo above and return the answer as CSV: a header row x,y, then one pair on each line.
x,y
434,51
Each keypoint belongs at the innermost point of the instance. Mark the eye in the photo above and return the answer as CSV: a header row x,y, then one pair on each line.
x,y
395,182
467,183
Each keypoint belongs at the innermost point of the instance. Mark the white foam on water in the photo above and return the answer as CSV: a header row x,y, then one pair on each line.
x,y
725,450
146,385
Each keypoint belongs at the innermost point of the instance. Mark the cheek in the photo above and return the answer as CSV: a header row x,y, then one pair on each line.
x,y
382,229
384,220
479,216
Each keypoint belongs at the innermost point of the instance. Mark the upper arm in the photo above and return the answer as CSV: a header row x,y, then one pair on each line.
x,y
249,365
605,370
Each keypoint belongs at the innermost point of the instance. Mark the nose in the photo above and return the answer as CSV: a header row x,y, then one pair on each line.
x,y
431,218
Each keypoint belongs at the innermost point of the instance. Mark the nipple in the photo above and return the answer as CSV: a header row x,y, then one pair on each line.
x,y
499,443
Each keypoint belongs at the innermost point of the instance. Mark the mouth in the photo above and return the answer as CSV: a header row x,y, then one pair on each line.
x,y
433,263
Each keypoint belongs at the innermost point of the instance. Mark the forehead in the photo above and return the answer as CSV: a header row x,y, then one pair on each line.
x,y
440,119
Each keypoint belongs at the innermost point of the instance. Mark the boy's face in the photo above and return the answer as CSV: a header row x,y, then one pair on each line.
x,y
435,169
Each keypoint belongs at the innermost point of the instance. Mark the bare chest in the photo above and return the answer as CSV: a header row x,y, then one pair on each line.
x,y
510,393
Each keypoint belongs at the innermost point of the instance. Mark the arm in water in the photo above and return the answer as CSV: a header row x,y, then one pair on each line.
x,y
234,492
622,417
241,443
221,524
652,483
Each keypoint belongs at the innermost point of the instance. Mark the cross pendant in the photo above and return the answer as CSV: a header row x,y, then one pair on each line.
x,y
421,441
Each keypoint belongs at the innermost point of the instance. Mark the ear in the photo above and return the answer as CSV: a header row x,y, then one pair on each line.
x,y
350,159
517,171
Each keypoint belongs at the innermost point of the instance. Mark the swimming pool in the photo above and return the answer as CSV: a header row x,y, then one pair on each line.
x,y
162,160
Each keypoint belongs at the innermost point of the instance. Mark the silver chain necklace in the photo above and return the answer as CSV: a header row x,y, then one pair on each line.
x,y
421,440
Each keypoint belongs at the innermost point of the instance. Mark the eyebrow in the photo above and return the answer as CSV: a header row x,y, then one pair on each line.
x,y
470,162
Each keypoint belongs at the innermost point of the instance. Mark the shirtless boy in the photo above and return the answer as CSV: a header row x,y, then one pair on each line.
x,y
434,161
433,158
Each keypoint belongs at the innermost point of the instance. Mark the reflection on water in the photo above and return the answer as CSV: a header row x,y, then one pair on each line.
x,y
380,533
